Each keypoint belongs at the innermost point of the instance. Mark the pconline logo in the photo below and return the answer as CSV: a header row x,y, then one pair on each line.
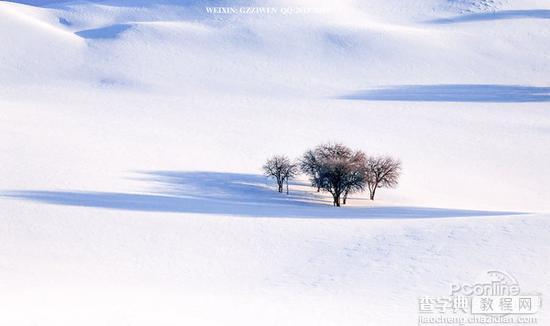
x,y
496,297
496,284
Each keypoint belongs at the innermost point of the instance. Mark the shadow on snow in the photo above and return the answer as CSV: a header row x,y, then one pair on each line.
x,y
497,15
454,93
107,32
232,194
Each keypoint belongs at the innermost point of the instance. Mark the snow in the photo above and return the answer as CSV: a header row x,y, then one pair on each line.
x,y
132,135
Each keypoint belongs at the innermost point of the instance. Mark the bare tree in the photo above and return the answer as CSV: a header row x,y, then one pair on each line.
x,y
313,160
356,179
381,172
336,169
281,169
310,166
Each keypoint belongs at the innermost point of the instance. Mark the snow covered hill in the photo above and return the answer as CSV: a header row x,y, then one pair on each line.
x,y
132,134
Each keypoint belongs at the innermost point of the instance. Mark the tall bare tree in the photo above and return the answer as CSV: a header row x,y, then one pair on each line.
x,y
336,169
381,172
281,169
313,160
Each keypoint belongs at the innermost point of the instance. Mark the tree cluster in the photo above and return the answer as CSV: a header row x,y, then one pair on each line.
x,y
338,170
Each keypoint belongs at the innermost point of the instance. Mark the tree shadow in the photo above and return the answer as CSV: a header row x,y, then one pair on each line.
x,y
497,15
225,186
230,194
454,93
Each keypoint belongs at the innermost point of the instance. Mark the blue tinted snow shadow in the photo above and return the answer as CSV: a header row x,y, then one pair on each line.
x,y
497,15
107,32
231,194
454,93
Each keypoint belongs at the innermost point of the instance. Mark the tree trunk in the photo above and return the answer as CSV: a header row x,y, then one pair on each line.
x,y
287,186
336,200
317,183
373,191
345,198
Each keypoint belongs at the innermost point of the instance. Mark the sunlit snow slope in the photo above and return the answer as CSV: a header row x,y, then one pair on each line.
x,y
132,134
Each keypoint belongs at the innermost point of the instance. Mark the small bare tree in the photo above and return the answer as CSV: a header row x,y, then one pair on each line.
x,y
290,172
281,169
381,172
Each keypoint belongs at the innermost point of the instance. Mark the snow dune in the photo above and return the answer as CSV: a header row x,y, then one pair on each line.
x,y
93,91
